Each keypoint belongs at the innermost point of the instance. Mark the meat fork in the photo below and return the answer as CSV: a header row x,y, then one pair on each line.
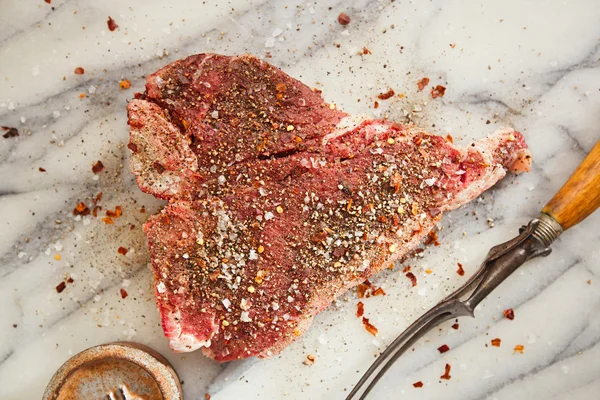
x,y
576,200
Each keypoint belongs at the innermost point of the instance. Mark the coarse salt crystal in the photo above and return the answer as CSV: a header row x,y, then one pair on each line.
x,y
430,181
92,89
290,299
23,119
269,215
244,304
161,288
56,114
275,306
21,254
277,32
286,317
186,256
125,283
270,42
215,114
244,317
460,172
222,179
252,255
226,302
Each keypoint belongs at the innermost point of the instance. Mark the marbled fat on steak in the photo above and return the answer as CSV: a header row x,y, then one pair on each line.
x,y
279,202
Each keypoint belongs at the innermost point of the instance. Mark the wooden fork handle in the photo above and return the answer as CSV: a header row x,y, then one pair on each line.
x,y
580,196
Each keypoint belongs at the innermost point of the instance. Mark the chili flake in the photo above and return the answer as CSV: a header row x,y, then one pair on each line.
x,y
125,84
443,348
360,309
455,326
432,238
78,71
206,396
413,278
10,132
108,221
343,19
379,292
366,51
97,167
519,348
423,83
369,327
376,105
60,287
460,271
362,288
438,91
496,342
446,375
386,95
112,25
41,169
418,384
509,314
122,250
123,293
81,209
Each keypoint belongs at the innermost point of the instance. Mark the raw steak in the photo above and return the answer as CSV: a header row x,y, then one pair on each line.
x,y
279,202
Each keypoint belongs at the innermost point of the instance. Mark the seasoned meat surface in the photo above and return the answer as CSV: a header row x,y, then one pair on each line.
x,y
279,202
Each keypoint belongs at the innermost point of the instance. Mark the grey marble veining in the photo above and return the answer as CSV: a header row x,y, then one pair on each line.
x,y
530,65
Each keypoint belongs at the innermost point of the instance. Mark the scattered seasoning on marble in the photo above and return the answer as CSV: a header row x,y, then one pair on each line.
x,y
360,309
79,71
460,271
413,278
81,209
446,375
384,96
369,327
112,25
122,250
418,384
60,287
438,91
97,167
343,19
519,349
422,84
10,132
124,84
443,348
310,359
509,314
496,342
123,293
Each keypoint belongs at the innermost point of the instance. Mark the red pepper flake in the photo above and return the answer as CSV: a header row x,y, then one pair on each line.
x,y
386,95
360,309
133,147
95,210
81,209
79,71
158,167
125,84
446,375
413,278
123,293
41,169
379,292
70,280
496,342
206,396
48,1
108,221
142,210
115,214
343,19
60,287
452,45
366,51
449,138
509,314
443,348
460,271
112,25
406,269
418,384
369,327
97,167
455,326
438,91
362,288
122,250
10,132
98,198
423,83
519,348
376,105
432,238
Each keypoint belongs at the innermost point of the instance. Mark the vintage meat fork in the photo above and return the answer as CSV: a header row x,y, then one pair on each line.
x,y
576,200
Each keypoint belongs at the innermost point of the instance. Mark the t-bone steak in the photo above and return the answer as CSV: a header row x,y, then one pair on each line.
x,y
278,201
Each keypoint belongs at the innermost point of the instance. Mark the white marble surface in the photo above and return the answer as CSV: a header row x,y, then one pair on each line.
x,y
531,65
